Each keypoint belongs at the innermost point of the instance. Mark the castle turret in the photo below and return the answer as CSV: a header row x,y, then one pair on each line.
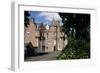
x,y
32,20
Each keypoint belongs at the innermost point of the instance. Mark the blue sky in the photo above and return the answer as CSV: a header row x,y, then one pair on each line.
x,y
45,17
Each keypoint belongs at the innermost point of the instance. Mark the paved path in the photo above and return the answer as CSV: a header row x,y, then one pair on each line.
x,y
48,56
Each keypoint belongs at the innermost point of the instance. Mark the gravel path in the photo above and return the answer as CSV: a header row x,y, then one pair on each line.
x,y
48,56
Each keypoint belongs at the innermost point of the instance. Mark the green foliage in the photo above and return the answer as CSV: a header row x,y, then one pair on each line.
x,y
26,18
77,28
76,49
76,25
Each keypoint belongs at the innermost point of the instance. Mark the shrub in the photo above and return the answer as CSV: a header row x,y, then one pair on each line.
x,y
76,49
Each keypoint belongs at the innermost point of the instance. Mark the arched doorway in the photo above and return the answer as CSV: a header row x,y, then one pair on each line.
x,y
54,48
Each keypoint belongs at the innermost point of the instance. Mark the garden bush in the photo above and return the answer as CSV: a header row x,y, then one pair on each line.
x,y
76,49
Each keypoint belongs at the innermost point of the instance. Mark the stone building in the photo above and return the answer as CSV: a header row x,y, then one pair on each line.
x,y
44,38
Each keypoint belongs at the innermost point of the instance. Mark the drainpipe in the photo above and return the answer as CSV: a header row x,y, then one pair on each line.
x,y
56,38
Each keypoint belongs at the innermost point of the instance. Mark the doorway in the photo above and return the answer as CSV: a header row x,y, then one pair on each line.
x,y
54,48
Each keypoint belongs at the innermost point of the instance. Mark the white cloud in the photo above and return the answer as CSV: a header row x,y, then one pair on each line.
x,y
50,16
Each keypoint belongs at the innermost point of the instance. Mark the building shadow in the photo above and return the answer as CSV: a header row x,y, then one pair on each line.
x,y
31,51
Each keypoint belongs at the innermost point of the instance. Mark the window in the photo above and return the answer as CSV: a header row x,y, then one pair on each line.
x,y
54,33
54,41
43,47
47,35
47,47
28,32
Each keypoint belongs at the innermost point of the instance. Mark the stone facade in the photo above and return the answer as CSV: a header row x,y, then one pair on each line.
x,y
45,38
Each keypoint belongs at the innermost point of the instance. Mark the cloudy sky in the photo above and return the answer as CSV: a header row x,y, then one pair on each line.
x,y
45,17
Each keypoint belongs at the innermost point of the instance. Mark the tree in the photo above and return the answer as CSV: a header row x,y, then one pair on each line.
x,y
26,18
76,25
82,22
